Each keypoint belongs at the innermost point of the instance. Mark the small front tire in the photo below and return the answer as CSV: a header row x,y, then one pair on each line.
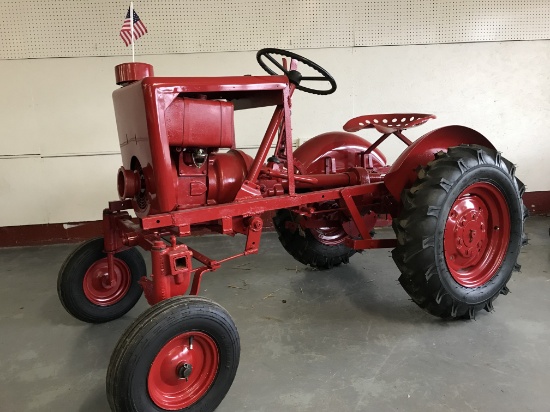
x,y
180,355
82,284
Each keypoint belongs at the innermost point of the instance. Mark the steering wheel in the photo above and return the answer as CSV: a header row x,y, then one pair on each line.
x,y
294,76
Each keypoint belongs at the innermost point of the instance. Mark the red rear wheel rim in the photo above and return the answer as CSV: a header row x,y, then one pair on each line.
x,y
329,235
476,234
97,287
183,371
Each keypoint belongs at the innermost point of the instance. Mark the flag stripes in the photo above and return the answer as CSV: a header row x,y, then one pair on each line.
x,y
126,31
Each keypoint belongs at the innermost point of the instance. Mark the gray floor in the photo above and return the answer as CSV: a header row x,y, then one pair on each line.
x,y
347,339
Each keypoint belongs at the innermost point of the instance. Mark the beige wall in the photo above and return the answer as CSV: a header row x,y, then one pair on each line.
x,y
58,144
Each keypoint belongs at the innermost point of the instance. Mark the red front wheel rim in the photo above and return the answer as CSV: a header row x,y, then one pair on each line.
x,y
477,233
183,371
102,289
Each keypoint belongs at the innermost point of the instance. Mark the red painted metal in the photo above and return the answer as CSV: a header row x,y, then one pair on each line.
x,y
103,289
226,175
143,126
195,287
404,171
172,270
183,370
200,123
254,233
253,206
476,234
127,73
345,148
170,130
387,123
128,183
370,219
330,235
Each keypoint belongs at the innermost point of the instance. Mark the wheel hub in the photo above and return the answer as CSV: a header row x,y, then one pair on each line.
x,y
102,289
470,235
183,370
329,235
476,234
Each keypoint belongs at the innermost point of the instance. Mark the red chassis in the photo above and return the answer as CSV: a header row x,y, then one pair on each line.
x,y
344,169
455,204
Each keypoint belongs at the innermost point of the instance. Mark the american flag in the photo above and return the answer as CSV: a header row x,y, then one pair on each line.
x,y
126,31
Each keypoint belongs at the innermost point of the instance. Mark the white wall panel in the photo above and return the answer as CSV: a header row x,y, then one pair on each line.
x,y
78,188
19,128
55,190
73,105
499,89
63,107
24,198
313,114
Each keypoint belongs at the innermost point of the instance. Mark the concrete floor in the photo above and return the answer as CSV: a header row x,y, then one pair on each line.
x,y
347,339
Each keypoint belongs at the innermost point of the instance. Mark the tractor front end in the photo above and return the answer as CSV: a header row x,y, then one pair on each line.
x,y
169,142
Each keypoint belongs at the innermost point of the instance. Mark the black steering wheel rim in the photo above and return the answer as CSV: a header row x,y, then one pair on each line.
x,y
325,76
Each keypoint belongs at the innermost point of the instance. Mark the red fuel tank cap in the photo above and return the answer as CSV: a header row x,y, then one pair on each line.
x,y
127,73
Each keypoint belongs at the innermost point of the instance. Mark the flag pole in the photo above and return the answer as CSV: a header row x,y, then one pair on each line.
x,y
132,28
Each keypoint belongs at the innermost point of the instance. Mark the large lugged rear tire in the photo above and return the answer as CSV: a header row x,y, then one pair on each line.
x,y
307,247
460,232
180,355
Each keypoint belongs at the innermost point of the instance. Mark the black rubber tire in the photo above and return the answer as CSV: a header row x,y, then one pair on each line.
x,y
128,371
420,229
305,248
70,280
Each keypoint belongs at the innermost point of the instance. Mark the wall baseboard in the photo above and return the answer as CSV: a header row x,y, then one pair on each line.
x,y
48,234
538,203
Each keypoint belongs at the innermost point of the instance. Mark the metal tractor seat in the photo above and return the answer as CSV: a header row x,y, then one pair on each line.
x,y
387,123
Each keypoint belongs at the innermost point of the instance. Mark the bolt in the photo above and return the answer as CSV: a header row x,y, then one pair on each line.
x,y
159,245
184,371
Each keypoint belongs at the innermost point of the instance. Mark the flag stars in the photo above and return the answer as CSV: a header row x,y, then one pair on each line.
x,y
138,28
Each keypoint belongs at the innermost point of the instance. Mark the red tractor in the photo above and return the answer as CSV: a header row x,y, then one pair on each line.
x,y
455,203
